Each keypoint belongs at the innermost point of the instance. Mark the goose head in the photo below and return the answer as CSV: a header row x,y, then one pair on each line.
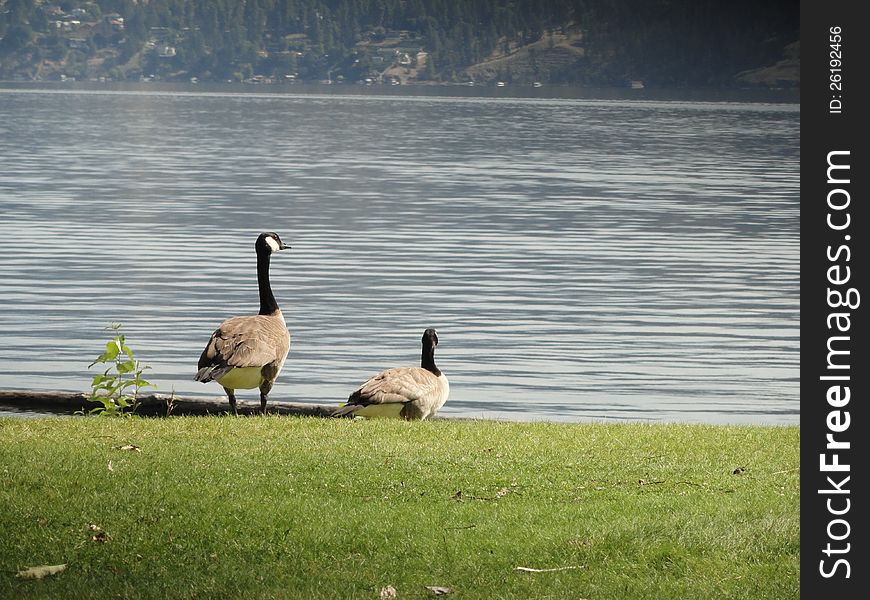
x,y
268,242
430,338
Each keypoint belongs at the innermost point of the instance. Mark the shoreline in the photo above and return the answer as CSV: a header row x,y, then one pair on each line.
x,y
789,95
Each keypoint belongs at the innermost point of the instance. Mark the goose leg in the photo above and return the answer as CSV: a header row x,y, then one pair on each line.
x,y
232,396
265,388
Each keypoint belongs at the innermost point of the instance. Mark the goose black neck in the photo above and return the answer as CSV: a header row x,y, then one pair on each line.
x,y
428,360
268,304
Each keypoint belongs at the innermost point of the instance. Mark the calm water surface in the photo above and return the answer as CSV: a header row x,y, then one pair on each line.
x,y
581,259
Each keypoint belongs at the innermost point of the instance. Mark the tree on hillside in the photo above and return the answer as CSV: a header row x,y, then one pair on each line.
x,y
16,38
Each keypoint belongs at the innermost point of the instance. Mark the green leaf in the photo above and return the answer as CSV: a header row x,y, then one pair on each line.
x,y
126,367
112,349
125,385
100,359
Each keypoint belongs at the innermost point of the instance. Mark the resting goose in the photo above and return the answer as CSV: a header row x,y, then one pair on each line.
x,y
248,352
405,392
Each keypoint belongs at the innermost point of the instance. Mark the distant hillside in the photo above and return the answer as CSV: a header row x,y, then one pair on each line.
x,y
557,56
662,43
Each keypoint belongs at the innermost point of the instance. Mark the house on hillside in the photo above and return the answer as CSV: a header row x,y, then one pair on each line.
x,y
114,21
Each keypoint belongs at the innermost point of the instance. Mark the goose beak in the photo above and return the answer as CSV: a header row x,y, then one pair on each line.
x,y
284,246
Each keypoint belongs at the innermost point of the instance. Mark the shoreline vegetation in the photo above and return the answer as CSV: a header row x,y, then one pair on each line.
x,y
296,507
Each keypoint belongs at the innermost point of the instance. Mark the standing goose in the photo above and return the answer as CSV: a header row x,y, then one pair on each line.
x,y
248,352
405,392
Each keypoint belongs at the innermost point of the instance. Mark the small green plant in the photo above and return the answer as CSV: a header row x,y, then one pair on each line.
x,y
118,386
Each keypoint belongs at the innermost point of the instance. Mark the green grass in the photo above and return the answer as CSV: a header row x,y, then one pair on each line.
x,y
277,507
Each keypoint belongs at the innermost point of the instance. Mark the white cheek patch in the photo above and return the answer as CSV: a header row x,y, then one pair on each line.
x,y
273,244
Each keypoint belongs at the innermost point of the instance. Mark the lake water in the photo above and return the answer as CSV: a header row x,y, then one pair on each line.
x,y
581,259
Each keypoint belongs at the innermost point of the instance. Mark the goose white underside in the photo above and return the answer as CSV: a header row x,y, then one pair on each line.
x,y
242,378
390,410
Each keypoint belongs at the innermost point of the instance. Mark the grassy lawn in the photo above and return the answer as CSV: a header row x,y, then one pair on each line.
x,y
278,507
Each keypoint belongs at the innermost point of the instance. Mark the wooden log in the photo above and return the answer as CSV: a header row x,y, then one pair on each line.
x,y
155,405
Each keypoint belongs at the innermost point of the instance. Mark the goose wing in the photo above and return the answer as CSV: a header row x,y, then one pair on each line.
x,y
253,341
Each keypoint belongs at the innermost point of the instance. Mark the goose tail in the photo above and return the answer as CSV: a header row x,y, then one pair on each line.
x,y
345,410
211,373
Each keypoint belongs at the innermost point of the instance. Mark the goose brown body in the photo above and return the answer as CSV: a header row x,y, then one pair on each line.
x,y
248,352
245,352
404,392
